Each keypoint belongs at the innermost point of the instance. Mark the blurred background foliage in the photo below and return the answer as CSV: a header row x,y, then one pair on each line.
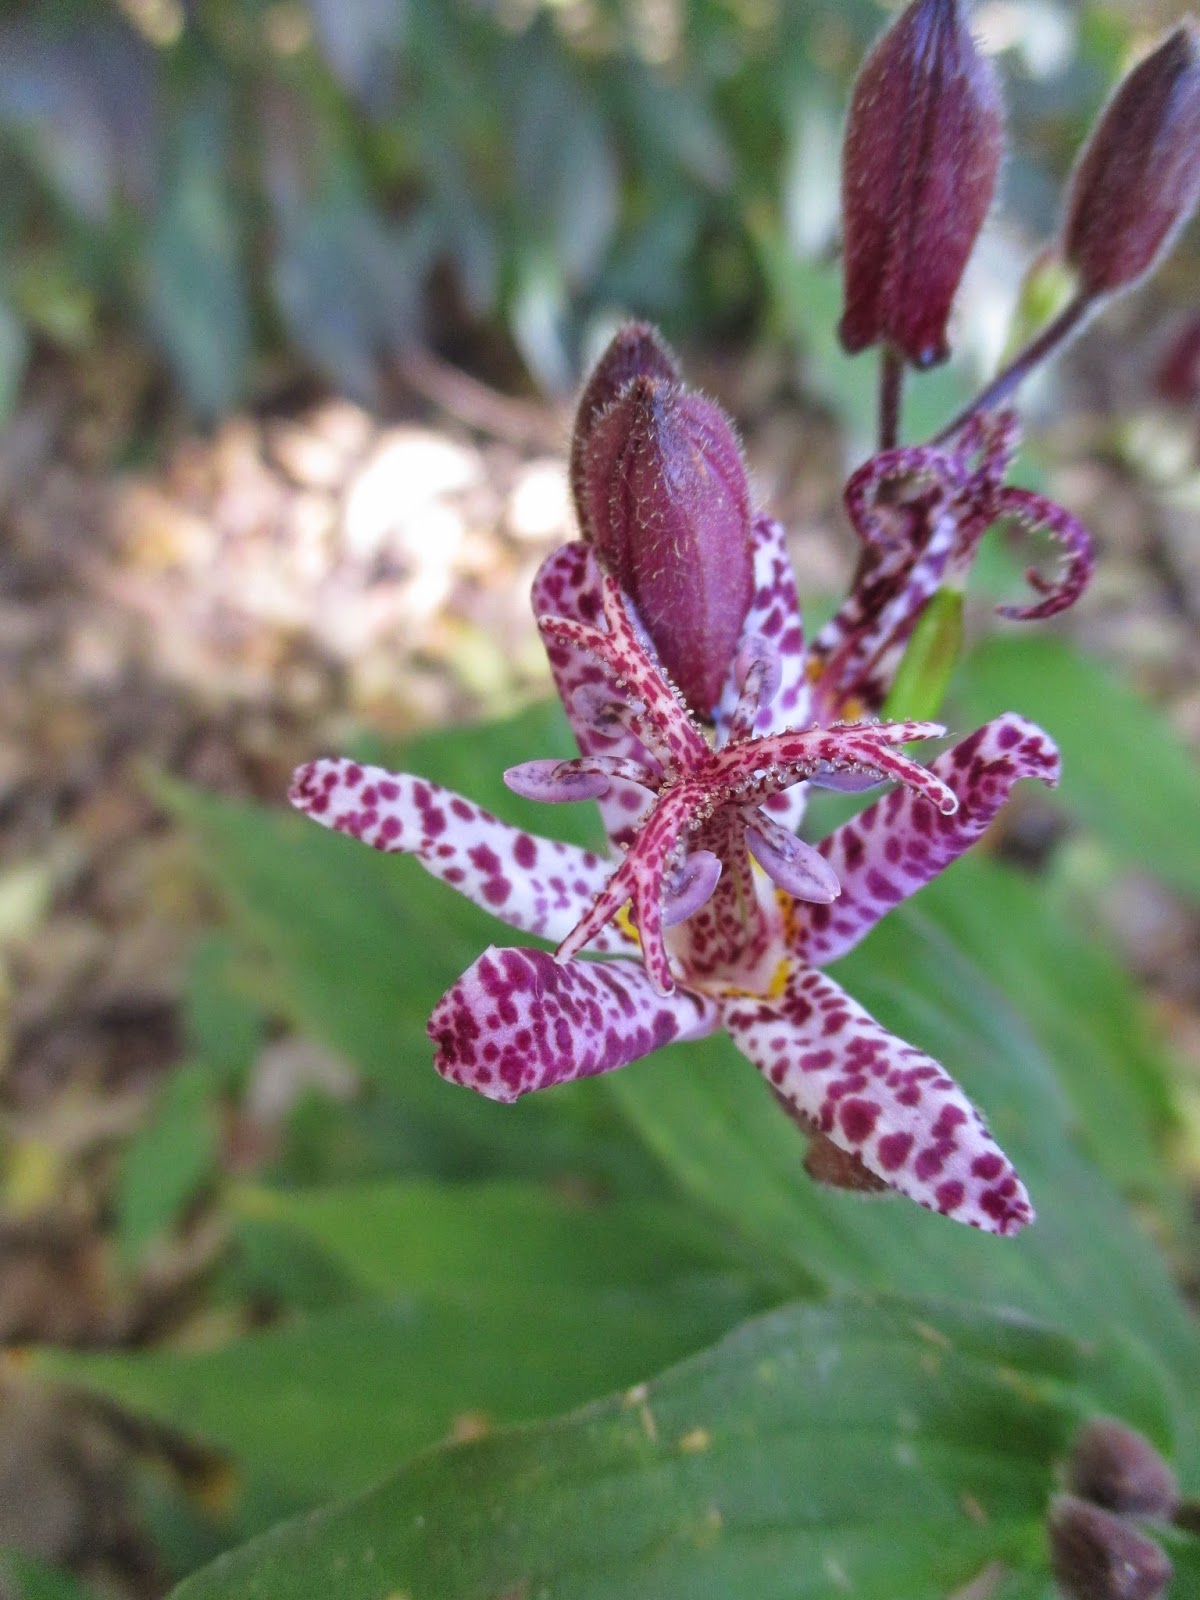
x,y
343,180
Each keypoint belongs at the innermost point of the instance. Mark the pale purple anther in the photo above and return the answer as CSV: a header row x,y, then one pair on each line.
x,y
685,891
546,780
798,868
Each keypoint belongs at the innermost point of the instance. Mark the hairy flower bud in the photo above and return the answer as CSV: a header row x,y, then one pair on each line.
x,y
1096,1556
1116,1467
923,148
636,350
666,501
1137,179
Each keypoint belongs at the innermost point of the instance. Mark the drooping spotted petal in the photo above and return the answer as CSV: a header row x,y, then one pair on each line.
x,y
539,886
519,1020
898,844
879,1099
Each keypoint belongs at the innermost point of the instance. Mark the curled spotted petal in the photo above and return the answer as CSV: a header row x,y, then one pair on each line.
x,y
519,1020
539,886
898,844
880,1100
1034,511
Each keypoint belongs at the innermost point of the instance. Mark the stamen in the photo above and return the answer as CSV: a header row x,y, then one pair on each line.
x,y
795,866
844,782
691,887
554,781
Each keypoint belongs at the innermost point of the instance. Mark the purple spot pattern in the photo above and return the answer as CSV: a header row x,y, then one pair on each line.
x,y
519,1020
879,1099
535,885
898,845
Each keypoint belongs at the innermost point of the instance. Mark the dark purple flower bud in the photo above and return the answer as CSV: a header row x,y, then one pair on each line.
x,y
1137,179
636,350
1096,1556
923,147
667,504
1116,1467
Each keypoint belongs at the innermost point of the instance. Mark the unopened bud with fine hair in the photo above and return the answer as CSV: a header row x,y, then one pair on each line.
x,y
1118,1468
1137,180
1097,1556
665,499
923,147
636,350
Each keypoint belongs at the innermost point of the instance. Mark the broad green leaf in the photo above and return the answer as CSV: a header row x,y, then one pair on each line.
x,y
1085,1265
167,1160
479,1237
324,1406
875,1450
1125,772
1079,1002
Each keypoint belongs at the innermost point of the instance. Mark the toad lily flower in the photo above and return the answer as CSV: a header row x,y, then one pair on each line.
x,y
711,912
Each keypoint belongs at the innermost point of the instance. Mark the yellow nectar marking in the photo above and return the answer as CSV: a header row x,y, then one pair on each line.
x,y
814,671
852,709
694,1442
623,922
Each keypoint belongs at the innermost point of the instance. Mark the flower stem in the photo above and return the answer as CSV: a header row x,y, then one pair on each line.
x,y
891,393
1055,334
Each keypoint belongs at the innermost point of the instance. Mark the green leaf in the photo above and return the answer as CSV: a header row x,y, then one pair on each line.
x,y
1083,1007
195,287
14,357
324,1406
29,1579
482,1237
223,1018
1125,772
167,1160
852,1448
1084,1265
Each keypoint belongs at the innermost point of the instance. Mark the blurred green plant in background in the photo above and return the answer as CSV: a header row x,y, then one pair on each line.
x,y
239,178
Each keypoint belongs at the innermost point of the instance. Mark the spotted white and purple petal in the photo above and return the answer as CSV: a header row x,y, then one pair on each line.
x,y
774,617
879,1099
539,886
897,845
773,624
519,1020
